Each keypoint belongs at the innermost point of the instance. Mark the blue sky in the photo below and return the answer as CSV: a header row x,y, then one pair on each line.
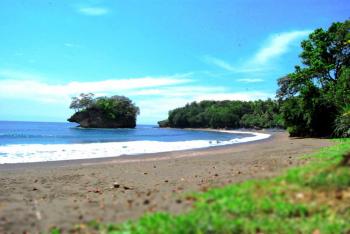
x,y
161,54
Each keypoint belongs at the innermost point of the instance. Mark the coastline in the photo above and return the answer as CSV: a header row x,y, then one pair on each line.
x,y
148,157
77,192
37,153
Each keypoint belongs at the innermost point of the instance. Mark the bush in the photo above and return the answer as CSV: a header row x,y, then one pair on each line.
x,y
342,124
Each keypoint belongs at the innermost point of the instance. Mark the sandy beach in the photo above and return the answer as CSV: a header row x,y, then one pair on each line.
x,y
37,196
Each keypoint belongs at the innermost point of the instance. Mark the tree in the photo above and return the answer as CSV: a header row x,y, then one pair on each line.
x,y
315,93
85,100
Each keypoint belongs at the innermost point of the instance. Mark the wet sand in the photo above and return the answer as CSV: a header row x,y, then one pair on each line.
x,y
37,196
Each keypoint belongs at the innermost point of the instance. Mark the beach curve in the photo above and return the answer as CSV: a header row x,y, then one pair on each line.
x,y
29,153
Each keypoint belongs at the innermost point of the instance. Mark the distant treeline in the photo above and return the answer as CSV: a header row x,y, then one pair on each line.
x,y
226,114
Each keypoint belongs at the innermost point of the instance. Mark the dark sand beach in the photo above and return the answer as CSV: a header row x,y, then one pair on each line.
x,y
35,197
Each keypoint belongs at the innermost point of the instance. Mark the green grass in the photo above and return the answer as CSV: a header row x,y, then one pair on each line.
x,y
314,198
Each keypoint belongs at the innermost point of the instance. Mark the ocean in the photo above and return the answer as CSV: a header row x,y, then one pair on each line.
x,y
41,141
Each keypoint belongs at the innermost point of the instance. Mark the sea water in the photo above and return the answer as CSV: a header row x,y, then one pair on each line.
x,y
40,141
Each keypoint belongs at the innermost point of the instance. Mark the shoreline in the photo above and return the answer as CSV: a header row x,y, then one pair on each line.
x,y
135,158
77,192
59,152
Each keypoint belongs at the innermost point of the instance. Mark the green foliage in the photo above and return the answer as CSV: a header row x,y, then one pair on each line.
x,y
117,107
342,123
81,102
315,94
104,111
303,200
55,231
226,114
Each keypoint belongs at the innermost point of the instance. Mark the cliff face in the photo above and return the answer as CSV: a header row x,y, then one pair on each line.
x,y
97,118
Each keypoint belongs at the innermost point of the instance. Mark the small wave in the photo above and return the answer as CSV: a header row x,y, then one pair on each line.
x,y
22,135
19,153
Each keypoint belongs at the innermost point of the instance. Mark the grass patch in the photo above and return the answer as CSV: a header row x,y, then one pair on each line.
x,y
314,198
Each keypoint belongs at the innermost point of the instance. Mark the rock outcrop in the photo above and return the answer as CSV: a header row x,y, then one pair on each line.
x,y
97,118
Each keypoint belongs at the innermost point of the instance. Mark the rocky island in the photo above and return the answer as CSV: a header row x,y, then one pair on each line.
x,y
103,112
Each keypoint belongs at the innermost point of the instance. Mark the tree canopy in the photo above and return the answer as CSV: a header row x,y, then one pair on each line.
x,y
316,96
83,101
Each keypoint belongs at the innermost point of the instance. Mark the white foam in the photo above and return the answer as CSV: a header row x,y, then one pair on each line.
x,y
20,153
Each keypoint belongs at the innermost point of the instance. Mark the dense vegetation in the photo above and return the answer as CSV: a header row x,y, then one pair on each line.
x,y
104,112
316,97
226,114
314,198
314,100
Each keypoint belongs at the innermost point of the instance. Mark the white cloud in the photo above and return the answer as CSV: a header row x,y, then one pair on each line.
x,y
248,80
179,91
219,62
68,44
154,95
157,108
94,11
277,45
227,66
243,96
71,45
20,85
